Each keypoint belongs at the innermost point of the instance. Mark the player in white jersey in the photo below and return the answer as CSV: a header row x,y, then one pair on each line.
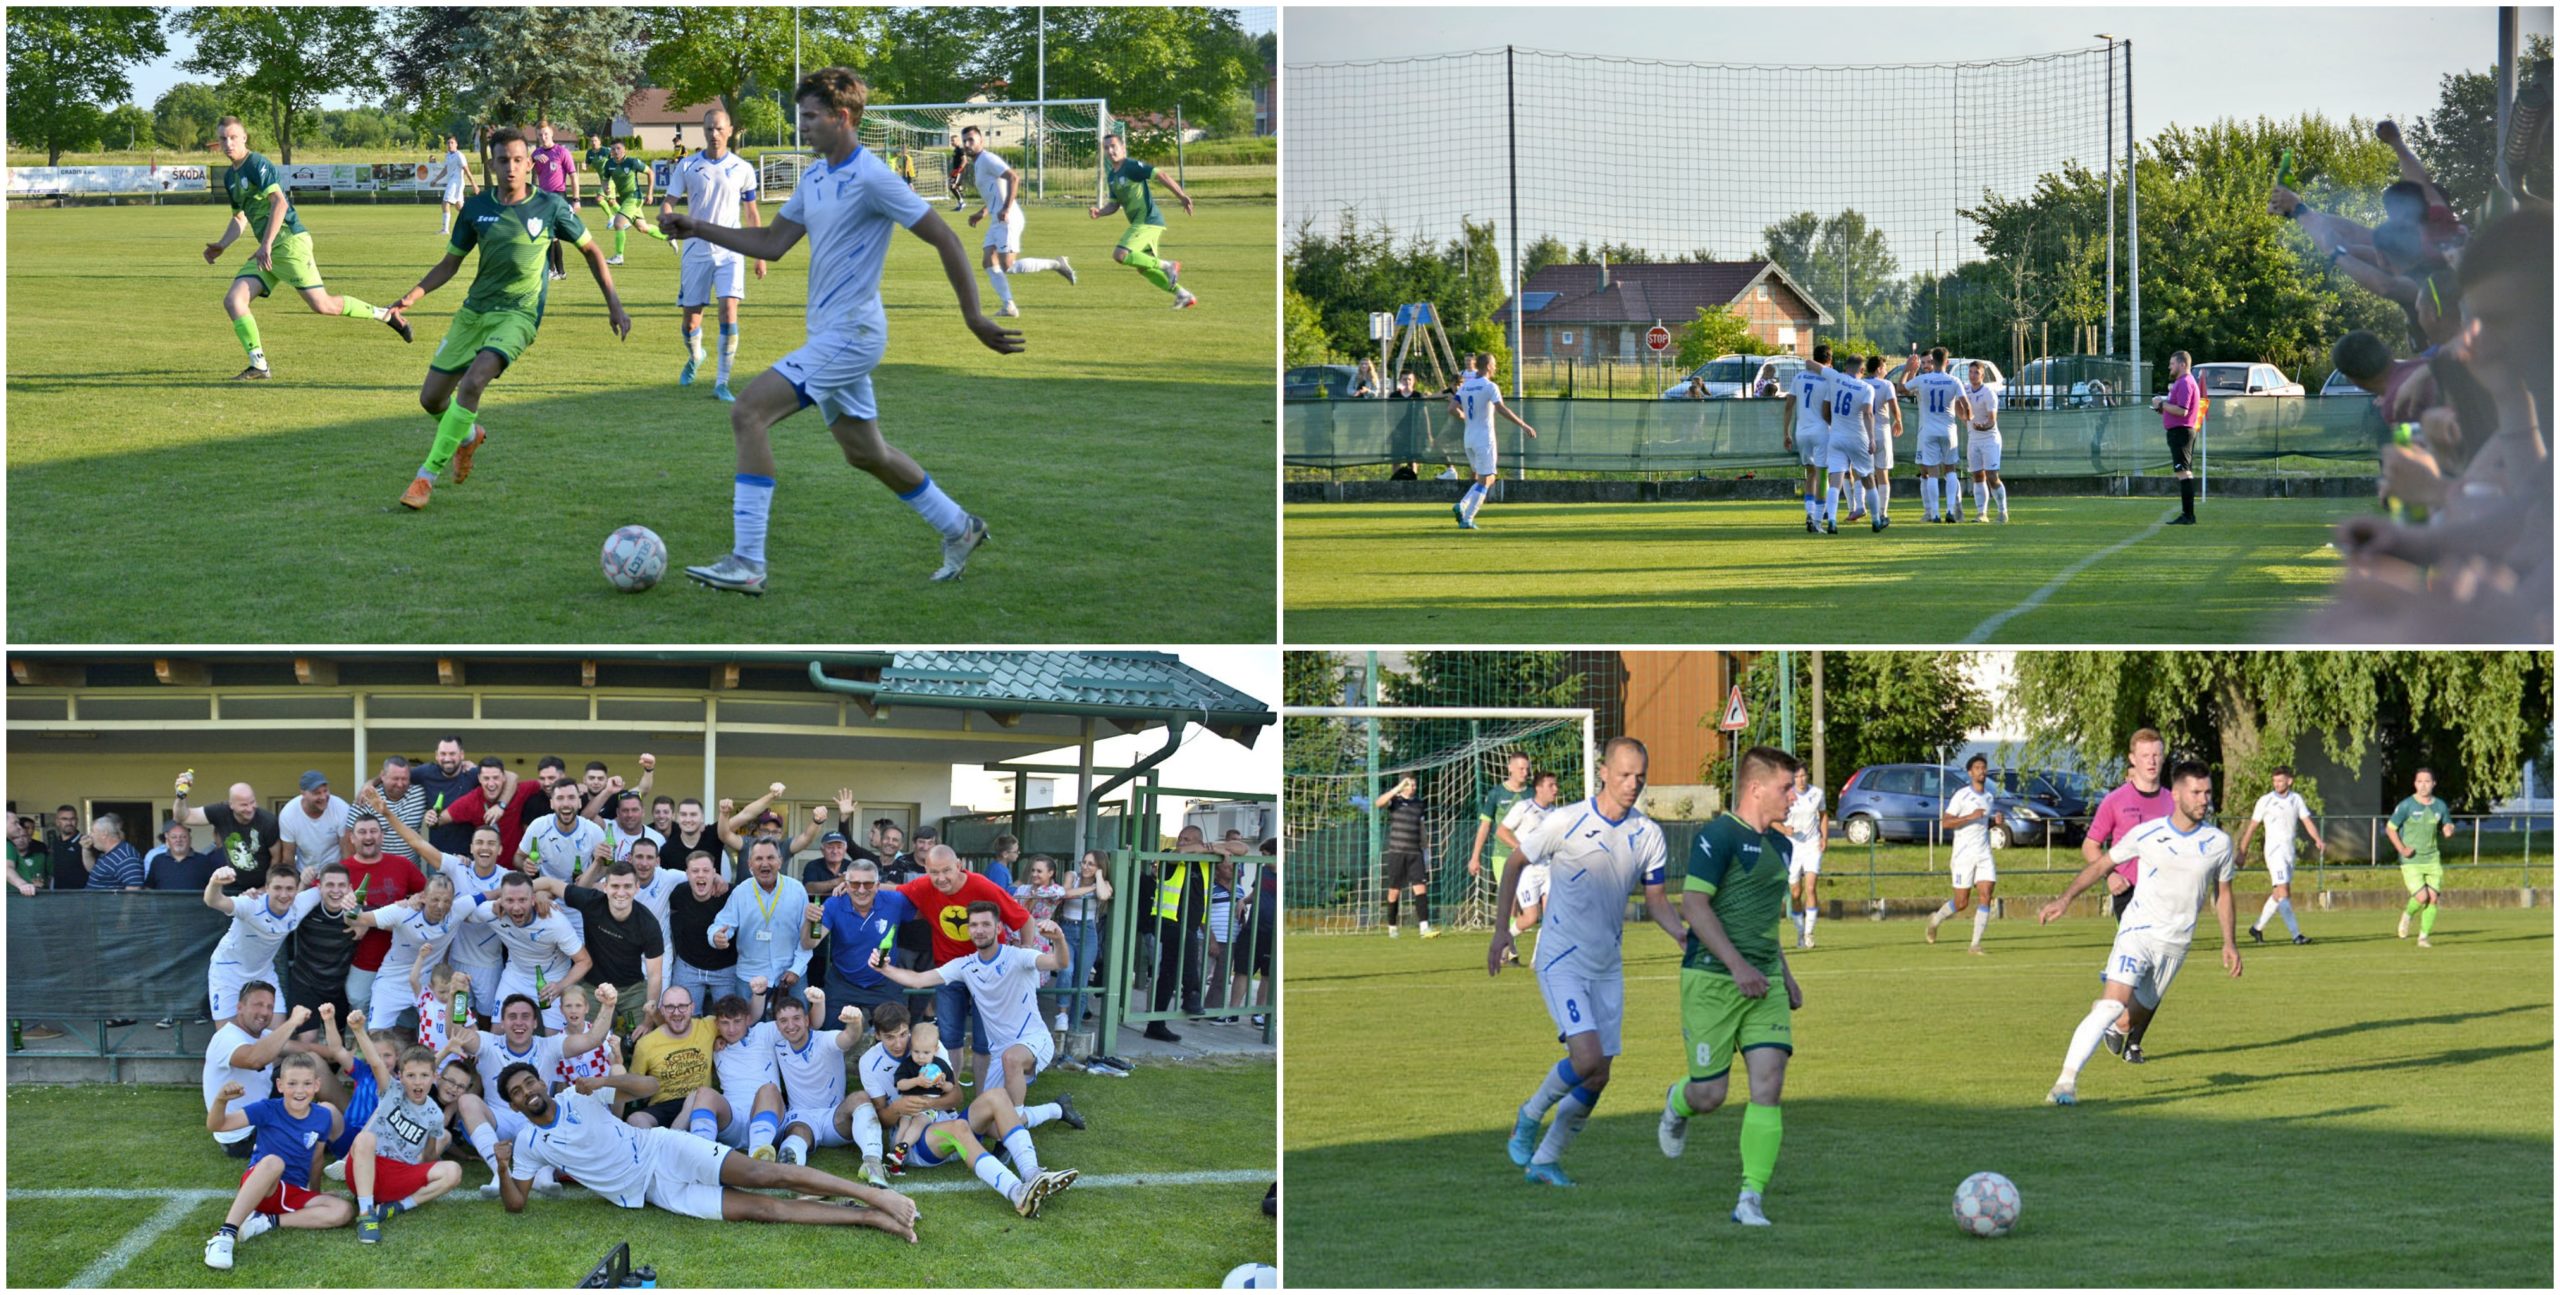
x,y
260,920
469,1083
564,844
1808,832
1475,402
544,956
847,204
1517,822
1982,453
1805,415
745,1109
2185,863
1968,816
2282,811
1597,852
718,188
1850,447
1938,400
474,949
577,1133
455,176
1004,986
1002,189
421,931
1888,428
816,1111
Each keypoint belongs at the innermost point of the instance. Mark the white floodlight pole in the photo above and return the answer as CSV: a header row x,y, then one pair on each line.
x,y
795,73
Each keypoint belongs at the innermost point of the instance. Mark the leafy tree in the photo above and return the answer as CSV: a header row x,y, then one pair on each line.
x,y
286,57
563,65
64,63
424,67
1302,339
1547,250
1346,275
1487,679
2459,140
1814,251
2474,716
701,53
127,126
1717,332
184,115
759,120
1878,708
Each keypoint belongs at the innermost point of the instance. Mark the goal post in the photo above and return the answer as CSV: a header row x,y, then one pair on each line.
x,y
1055,145
1340,758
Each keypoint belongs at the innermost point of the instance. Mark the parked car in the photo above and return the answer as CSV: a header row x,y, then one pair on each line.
x,y
1730,376
2339,384
2071,795
2244,379
1957,365
1319,381
1903,802
2066,382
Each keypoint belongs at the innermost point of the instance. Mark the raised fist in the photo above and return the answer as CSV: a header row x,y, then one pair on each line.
x,y
225,875
648,763
778,789
230,1091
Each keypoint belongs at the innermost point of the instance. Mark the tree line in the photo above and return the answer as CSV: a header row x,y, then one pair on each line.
x,y
437,71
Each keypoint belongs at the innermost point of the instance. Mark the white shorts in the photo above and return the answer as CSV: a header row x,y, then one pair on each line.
x,y
1043,1046
833,371
710,274
506,1121
1983,453
1005,235
484,984
1884,449
1585,1005
1533,884
1938,453
1480,456
1970,871
1809,447
2144,963
2279,868
685,1176
1803,857
822,1126
453,194
519,980
223,980
390,997
1848,452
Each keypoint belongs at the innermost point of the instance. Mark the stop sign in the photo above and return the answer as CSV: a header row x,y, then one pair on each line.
x,y
1659,338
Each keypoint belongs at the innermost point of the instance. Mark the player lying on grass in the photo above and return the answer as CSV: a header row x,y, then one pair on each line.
x,y
1968,816
846,205
1732,902
1475,402
283,254
483,1118
951,1138
1597,852
2185,861
2284,814
577,1134
511,224
275,1190
1126,177
1002,189
396,1158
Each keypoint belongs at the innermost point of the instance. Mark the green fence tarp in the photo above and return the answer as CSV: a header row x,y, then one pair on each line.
x,y
1634,436
110,953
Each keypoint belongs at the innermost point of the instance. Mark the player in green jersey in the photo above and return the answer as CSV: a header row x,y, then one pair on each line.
x,y
512,224
628,183
1733,900
1127,178
2417,828
283,255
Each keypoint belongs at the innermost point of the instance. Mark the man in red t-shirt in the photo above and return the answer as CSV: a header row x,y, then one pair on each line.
x,y
379,879
490,804
942,897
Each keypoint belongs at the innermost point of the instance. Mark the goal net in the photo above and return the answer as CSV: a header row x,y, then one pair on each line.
x,y
1341,758
1054,145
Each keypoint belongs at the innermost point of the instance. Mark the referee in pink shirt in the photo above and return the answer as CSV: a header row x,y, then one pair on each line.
x,y
2142,798
555,170
2178,417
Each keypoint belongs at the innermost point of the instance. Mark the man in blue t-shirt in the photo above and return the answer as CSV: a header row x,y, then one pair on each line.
x,y
276,1187
859,918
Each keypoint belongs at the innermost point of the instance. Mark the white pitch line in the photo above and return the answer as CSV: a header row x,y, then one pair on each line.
x,y
1982,633
179,1198
106,1266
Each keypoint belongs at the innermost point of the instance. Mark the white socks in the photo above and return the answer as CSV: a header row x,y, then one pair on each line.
x,y
1570,1115
1929,497
797,1148
1981,499
992,1172
1033,1117
2000,498
728,351
1469,502
1809,917
2275,906
1033,265
936,508
750,508
693,344
1552,1087
1981,919
2084,1040
1004,290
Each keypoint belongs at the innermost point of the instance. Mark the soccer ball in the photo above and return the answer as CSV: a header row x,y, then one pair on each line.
x,y
634,558
1986,1205
1251,1277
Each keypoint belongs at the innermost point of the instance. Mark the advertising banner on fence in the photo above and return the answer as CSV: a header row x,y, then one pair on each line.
x,y
302,175
51,181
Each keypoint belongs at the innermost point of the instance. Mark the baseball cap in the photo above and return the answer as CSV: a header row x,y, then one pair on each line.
x,y
313,779
833,836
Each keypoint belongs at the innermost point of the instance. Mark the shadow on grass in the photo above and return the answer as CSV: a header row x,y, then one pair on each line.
x,y
2115,1195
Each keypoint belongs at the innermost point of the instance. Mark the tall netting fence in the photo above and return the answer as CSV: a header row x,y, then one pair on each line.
x,y
1054,145
1891,196
1332,828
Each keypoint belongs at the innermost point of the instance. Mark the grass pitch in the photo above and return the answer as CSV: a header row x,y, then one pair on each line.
x,y
2356,1112
1127,453
1213,1123
2062,571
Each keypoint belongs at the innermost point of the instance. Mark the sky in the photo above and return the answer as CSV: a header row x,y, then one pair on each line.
x,y
151,80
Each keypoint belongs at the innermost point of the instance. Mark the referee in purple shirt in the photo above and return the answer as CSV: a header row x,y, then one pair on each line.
x,y
555,170
2178,417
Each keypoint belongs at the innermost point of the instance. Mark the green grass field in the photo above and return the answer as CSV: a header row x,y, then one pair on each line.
x,y
2358,1112
1657,573
1175,1164
1125,455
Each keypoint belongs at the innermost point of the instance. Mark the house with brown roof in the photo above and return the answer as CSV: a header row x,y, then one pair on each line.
x,y
658,123
1602,312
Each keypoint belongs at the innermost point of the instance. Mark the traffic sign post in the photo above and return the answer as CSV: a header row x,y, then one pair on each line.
x,y
1658,339
1737,716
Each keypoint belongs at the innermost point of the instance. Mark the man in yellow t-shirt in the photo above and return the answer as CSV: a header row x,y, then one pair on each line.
x,y
677,1053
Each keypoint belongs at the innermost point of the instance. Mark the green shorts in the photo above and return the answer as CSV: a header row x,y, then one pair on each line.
x,y
2416,875
1142,238
1718,1024
630,209
508,332
295,267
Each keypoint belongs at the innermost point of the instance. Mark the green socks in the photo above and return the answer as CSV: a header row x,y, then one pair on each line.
x,y
1760,1132
2426,921
621,238
451,431
352,308
1146,264
1680,1100
246,329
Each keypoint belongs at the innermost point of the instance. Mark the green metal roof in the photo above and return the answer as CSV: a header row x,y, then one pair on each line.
x,y
1135,688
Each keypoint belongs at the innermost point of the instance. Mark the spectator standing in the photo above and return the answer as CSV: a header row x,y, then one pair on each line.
x,y
379,879
445,781
1042,896
245,834
495,800
1080,920
1366,386
858,918
703,970
401,795
176,864
313,829
766,919
1007,850
694,835
629,825
62,846
1180,911
30,866
111,860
